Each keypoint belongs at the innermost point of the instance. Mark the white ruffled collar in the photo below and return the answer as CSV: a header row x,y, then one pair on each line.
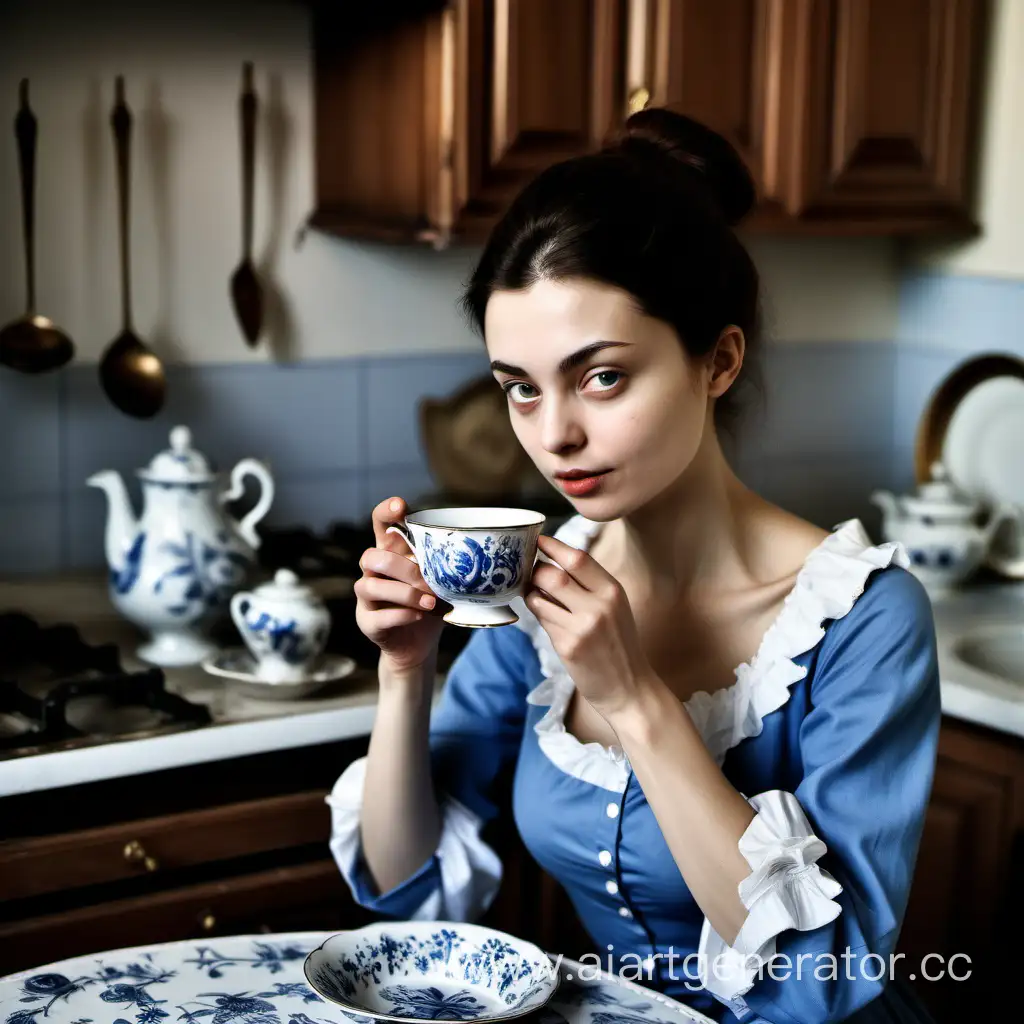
x,y
833,576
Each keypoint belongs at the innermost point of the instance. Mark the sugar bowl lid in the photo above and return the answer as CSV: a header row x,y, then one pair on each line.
x,y
939,498
179,464
285,586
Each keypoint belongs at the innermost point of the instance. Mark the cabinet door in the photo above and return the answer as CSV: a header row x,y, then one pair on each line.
x,y
887,103
535,82
958,886
720,63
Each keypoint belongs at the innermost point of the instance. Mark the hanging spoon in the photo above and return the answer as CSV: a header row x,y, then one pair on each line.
x,y
131,374
246,291
32,343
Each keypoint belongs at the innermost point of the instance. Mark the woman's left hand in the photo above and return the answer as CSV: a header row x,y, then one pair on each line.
x,y
585,612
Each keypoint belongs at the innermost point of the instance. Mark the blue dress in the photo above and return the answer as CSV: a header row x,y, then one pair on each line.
x,y
830,733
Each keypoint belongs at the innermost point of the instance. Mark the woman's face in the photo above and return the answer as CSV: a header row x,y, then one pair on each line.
x,y
593,383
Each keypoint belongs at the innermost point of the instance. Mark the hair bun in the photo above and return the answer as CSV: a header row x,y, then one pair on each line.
x,y
696,146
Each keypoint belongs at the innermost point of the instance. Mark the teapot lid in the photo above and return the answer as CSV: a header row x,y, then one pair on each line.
x,y
179,464
285,586
940,497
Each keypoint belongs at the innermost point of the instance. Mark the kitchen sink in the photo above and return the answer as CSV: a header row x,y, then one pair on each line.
x,y
997,651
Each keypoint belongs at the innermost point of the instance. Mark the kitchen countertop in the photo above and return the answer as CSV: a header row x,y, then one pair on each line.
x,y
241,725
244,726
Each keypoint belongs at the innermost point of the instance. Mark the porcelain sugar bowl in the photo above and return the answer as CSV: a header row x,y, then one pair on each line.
x,y
938,527
284,625
174,569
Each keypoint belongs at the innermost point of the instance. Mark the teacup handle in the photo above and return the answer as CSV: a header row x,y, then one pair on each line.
x,y
403,531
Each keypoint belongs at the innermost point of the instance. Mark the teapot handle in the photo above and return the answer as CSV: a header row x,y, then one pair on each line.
x,y
247,525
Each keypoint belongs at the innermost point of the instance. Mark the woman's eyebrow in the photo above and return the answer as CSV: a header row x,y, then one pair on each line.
x,y
570,362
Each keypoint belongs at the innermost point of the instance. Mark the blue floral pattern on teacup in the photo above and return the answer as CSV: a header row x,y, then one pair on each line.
x,y
462,565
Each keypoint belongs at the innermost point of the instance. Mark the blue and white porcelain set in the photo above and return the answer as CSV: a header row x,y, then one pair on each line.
x,y
478,559
177,570
939,528
405,972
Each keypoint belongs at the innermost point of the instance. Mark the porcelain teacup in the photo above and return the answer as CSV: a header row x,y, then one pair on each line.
x,y
478,558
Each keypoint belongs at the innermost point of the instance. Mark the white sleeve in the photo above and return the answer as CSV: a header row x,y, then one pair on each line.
x,y
469,871
785,889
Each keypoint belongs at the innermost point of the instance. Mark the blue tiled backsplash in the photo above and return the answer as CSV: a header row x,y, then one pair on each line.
x,y
341,435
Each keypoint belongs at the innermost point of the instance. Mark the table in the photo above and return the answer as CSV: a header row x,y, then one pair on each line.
x,y
258,979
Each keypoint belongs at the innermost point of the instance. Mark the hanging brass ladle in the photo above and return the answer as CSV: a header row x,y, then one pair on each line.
x,y
32,343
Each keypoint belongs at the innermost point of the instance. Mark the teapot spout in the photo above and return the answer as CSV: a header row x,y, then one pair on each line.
x,y
122,533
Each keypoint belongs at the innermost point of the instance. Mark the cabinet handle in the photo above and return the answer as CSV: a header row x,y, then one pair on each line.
x,y
208,922
135,853
639,99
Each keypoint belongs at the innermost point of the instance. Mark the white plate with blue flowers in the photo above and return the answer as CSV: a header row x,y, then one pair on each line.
x,y
438,970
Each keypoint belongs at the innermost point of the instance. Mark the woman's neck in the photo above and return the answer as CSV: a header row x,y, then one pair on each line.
x,y
695,534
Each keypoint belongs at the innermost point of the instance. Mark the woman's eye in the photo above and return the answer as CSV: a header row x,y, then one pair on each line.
x,y
604,374
509,390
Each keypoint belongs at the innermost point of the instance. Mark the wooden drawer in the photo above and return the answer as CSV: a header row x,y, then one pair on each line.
x,y
306,896
35,866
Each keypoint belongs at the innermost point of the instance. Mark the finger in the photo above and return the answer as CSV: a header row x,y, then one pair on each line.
x,y
547,609
392,618
577,563
377,592
384,515
377,562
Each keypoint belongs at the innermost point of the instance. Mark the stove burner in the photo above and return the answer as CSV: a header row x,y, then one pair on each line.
x,y
45,671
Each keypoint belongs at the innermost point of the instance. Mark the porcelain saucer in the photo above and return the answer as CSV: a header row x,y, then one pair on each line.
x,y
410,971
239,666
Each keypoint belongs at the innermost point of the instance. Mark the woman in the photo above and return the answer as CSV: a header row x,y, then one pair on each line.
x,y
723,720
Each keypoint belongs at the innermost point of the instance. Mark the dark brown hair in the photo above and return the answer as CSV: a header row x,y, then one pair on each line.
x,y
652,213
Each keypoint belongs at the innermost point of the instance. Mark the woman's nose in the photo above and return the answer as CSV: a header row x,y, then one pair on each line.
x,y
560,429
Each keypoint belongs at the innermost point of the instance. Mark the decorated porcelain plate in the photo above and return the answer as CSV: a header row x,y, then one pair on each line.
x,y
258,979
238,665
984,454
440,970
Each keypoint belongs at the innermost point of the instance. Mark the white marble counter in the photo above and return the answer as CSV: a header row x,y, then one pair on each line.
x,y
244,726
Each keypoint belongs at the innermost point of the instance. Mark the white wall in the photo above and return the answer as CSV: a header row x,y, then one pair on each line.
x,y
999,251
182,64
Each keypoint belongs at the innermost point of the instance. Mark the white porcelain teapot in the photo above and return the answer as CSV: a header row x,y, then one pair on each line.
x,y
174,569
938,527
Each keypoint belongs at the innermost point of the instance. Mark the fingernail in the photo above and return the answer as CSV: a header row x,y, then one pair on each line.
x,y
395,506
426,601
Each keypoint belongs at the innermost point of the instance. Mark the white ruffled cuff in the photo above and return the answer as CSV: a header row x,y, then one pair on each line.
x,y
785,889
470,870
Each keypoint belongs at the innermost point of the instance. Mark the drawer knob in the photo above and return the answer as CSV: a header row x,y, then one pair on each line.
x,y
135,853
639,99
208,922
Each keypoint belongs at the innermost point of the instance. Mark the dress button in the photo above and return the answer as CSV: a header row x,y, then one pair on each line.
x,y
605,858
612,887
612,810
625,912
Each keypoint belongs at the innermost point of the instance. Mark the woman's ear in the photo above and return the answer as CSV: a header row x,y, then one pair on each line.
x,y
726,361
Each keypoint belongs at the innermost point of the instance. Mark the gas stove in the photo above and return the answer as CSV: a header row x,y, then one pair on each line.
x,y
58,692
70,677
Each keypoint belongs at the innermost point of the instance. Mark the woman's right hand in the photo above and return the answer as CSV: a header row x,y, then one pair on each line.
x,y
394,606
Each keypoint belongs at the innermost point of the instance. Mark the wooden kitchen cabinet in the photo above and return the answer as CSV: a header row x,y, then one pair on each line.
x,y
427,124
966,892
881,111
855,116
238,846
